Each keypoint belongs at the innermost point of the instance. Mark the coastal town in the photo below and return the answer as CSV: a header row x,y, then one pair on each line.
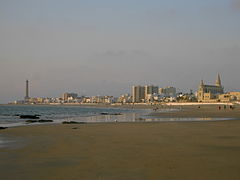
x,y
146,94
119,90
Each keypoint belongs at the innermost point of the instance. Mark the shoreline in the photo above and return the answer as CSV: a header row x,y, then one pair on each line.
x,y
130,105
180,113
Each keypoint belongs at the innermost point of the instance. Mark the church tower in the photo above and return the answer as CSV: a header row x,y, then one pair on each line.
x,y
218,81
200,93
202,83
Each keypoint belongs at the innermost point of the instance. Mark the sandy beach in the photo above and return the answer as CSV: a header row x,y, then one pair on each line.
x,y
204,111
159,150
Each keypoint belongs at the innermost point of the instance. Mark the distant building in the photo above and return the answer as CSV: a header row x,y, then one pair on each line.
x,y
224,97
208,93
101,99
67,96
138,94
86,100
150,90
168,91
27,91
230,96
235,95
125,98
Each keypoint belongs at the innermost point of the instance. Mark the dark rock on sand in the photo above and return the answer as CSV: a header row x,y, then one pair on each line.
x,y
31,121
113,114
72,122
39,121
116,114
44,121
29,116
3,128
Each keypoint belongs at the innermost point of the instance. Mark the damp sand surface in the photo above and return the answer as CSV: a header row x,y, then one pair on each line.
x,y
156,150
204,111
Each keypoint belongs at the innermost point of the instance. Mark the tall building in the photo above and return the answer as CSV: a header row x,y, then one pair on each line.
x,y
210,92
168,91
150,90
27,90
138,94
66,96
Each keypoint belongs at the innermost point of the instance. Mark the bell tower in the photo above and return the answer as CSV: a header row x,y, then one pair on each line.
x,y
200,93
218,81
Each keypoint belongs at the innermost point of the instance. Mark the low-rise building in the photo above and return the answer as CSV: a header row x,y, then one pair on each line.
x,y
224,97
235,95
125,98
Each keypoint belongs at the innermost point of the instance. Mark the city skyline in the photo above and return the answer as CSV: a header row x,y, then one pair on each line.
x,y
141,94
106,47
148,89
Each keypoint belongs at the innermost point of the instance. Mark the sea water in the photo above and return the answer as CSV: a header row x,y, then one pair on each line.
x,y
9,114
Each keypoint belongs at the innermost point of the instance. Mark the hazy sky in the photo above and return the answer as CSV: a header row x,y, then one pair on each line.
x,y
99,47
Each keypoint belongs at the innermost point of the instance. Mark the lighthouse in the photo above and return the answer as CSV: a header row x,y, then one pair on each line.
x,y
27,90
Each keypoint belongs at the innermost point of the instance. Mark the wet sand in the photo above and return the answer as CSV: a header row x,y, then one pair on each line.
x,y
205,111
166,150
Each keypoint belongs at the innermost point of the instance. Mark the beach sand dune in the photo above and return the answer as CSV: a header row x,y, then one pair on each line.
x,y
166,150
